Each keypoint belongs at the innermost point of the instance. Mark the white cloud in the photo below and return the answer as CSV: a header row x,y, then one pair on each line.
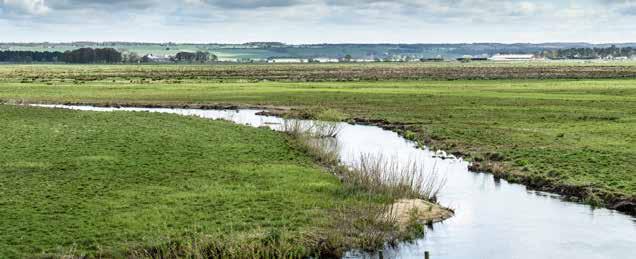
x,y
321,20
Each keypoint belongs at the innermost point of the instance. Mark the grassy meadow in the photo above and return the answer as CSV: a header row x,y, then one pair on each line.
x,y
552,132
121,181
126,184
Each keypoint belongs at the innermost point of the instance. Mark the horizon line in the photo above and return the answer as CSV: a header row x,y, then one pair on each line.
x,y
324,43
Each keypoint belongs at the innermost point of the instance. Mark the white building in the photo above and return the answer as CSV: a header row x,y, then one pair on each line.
x,y
327,60
512,57
155,59
362,60
287,60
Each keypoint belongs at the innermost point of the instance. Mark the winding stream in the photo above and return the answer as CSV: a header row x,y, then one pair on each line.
x,y
494,219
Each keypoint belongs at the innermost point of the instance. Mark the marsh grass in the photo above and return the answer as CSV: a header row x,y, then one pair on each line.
x,y
325,150
327,123
272,244
367,227
317,129
327,129
399,178
296,128
372,173
372,225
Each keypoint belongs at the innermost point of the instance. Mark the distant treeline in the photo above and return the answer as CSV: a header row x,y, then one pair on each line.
x,y
30,56
99,56
590,53
80,56
91,56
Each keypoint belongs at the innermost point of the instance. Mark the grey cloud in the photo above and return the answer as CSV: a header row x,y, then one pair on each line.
x,y
338,12
97,4
27,9
16,8
250,4
624,7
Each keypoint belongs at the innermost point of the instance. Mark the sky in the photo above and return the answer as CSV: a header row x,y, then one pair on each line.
x,y
319,21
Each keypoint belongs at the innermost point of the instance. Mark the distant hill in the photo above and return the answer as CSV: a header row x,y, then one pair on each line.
x,y
264,50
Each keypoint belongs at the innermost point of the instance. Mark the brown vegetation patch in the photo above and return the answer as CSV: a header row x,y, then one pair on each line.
x,y
407,210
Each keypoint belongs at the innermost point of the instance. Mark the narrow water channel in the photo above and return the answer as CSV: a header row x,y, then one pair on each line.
x,y
494,219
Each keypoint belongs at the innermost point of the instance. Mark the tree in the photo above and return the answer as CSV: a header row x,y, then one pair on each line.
x,y
185,57
202,57
347,58
89,56
30,56
592,53
132,57
107,55
213,57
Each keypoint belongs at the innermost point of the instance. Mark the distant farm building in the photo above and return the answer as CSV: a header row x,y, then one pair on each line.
x,y
326,60
363,60
150,58
512,57
610,57
287,60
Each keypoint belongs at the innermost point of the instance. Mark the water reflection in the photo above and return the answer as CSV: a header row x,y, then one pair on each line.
x,y
494,219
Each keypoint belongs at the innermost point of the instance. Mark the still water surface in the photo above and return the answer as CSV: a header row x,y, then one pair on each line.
x,y
494,219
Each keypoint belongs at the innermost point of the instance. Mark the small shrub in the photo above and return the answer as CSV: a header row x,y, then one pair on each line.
x,y
410,135
522,162
331,115
495,156
296,128
497,170
478,158
593,200
326,129
328,123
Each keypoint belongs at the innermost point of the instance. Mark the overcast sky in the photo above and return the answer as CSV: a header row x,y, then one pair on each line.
x,y
321,21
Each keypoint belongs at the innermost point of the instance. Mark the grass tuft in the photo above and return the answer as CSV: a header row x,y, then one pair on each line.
x,y
399,179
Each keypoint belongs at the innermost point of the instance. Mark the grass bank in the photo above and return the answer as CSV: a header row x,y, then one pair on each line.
x,y
147,185
573,137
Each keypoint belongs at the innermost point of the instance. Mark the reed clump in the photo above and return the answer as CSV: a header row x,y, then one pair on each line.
x,y
373,173
325,150
381,180
296,128
409,179
330,127
328,123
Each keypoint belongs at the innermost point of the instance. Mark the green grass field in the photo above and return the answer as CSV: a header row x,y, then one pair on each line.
x,y
111,183
567,133
108,184
550,132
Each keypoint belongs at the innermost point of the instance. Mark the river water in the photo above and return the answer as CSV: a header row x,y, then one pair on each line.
x,y
494,219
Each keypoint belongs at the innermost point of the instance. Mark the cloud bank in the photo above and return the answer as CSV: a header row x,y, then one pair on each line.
x,y
311,21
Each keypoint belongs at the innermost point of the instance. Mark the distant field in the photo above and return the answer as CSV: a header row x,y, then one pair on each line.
x,y
328,72
552,134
